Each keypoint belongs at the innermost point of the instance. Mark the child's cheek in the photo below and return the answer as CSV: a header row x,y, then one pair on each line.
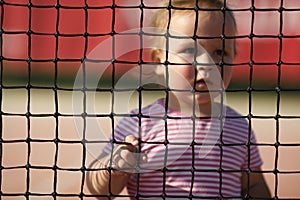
x,y
186,71
181,77
227,75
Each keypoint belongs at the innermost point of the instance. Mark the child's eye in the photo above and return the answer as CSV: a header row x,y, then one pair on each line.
x,y
219,52
189,51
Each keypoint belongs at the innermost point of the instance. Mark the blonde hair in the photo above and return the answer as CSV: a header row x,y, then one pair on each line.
x,y
170,8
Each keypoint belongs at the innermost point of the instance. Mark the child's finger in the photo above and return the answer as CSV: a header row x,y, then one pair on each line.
x,y
125,158
129,157
143,158
126,155
132,158
132,139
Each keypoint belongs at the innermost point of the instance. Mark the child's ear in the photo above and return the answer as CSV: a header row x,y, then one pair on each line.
x,y
156,56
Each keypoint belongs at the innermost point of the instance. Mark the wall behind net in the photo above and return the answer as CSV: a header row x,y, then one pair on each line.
x,y
66,31
43,44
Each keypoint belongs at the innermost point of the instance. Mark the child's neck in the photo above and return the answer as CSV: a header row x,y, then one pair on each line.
x,y
191,109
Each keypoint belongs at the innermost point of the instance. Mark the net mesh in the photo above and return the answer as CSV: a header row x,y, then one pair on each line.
x,y
43,56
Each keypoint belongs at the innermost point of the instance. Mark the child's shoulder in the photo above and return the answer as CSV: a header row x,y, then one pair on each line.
x,y
231,111
233,117
156,108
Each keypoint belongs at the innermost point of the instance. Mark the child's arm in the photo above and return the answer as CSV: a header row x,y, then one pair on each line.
x,y
257,187
98,181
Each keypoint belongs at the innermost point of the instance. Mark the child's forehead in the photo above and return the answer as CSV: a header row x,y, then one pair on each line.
x,y
209,24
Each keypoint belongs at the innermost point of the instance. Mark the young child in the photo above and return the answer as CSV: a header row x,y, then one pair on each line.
x,y
186,145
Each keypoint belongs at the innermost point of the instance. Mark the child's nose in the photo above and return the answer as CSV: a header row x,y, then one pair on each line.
x,y
204,62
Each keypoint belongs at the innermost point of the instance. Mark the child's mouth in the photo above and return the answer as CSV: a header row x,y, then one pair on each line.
x,y
202,84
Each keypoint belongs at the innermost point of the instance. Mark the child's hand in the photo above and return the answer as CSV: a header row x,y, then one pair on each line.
x,y
126,157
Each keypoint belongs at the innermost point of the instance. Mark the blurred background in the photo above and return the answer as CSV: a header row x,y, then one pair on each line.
x,y
67,32
43,44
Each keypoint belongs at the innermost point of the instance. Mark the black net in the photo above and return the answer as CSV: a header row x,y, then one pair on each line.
x,y
45,62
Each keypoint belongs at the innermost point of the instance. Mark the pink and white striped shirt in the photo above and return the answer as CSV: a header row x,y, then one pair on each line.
x,y
189,157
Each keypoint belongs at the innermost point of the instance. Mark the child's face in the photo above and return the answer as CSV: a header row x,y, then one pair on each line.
x,y
187,76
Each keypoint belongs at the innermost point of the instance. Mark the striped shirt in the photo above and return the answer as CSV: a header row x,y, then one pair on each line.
x,y
189,157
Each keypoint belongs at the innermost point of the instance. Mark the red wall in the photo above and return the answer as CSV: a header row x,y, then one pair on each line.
x,y
69,19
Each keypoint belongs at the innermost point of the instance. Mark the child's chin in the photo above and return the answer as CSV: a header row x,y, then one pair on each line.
x,y
204,98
